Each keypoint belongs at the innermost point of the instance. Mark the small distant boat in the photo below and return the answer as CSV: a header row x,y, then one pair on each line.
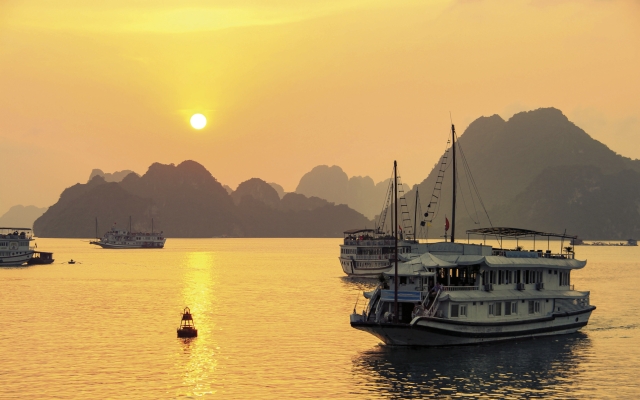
x,y
41,257
71,261
187,328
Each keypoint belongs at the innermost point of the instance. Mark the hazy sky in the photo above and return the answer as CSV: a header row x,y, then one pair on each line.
x,y
287,84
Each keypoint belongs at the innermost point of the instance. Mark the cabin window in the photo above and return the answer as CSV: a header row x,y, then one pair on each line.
x,y
403,280
498,308
455,311
509,277
534,307
492,308
463,311
511,308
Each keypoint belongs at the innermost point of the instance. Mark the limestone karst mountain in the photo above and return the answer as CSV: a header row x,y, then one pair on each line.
x,y
187,201
518,163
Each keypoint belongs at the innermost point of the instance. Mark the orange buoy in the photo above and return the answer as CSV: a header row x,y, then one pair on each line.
x,y
187,328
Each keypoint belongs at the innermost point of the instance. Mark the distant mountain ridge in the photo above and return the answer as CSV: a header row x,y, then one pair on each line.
x,y
334,185
187,201
20,216
110,177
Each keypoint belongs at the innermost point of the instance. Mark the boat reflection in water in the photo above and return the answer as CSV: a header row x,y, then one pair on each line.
x,y
529,368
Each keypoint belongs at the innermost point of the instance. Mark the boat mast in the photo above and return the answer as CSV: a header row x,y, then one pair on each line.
x,y
453,211
96,227
129,223
395,234
415,218
152,226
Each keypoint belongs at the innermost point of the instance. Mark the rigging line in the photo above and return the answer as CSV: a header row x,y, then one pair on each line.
x,y
475,187
382,219
468,172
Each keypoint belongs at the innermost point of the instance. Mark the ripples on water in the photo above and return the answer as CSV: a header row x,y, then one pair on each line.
x,y
272,316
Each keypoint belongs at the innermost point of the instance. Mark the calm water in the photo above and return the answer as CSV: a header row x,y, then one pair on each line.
x,y
273,322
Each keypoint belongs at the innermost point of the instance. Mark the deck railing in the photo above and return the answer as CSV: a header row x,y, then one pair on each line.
x,y
459,288
369,242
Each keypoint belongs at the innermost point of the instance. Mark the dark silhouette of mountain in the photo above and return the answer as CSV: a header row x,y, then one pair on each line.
x,y
187,201
300,202
507,157
583,201
110,177
259,190
21,216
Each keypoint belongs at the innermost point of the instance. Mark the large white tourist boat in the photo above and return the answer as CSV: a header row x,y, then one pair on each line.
x,y
456,294
465,293
128,239
15,246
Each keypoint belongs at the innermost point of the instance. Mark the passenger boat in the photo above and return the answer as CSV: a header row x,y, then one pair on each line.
x,y
458,294
128,239
41,257
15,246
367,253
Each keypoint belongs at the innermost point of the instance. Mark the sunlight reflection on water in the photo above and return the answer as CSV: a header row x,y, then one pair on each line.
x,y
272,319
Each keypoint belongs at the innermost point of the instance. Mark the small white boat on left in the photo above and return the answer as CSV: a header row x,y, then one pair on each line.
x,y
15,246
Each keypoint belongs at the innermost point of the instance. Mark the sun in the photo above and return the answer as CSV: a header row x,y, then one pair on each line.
x,y
198,121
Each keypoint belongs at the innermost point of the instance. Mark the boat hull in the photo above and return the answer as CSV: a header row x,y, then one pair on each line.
x,y
434,332
16,260
350,269
123,246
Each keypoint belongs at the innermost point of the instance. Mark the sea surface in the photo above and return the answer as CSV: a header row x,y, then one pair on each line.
x,y
273,322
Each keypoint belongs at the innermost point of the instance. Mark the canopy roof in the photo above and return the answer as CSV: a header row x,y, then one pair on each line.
x,y
515,232
352,231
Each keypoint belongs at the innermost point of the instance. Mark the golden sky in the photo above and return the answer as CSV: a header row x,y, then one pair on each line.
x,y
287,84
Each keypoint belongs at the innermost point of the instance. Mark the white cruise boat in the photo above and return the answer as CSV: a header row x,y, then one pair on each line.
x,y
368,253
15,246
466,294
121,239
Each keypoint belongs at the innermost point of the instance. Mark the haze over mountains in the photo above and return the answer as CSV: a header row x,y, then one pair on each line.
x,y
537,170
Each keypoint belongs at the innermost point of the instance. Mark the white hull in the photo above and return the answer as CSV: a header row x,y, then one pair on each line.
x,y
433,332
125,246
17,260
350,269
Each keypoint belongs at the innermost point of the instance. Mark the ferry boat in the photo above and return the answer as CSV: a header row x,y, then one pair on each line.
x,y
123,239
460,294
466,294
127,239
15,246
367,253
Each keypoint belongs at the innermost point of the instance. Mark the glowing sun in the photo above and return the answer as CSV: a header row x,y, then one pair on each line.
x,y
198,121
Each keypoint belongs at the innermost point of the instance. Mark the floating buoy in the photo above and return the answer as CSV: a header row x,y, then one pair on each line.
x,y
187,329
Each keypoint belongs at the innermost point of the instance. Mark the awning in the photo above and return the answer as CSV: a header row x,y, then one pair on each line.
x,y
403,296
407,269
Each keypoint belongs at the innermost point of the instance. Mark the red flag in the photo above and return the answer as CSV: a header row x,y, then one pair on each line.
x,y
446,224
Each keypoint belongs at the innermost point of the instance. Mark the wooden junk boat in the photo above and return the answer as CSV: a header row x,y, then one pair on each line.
x,y
187,328
41,257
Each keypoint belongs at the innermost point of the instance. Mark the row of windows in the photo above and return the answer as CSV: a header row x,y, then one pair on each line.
x,y
563,279
12,253
502,277
497,308
348,251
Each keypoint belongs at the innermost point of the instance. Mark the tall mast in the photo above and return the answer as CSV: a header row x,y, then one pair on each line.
x,y
152,226
129,223
415,217
96,227
395,234
453,211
